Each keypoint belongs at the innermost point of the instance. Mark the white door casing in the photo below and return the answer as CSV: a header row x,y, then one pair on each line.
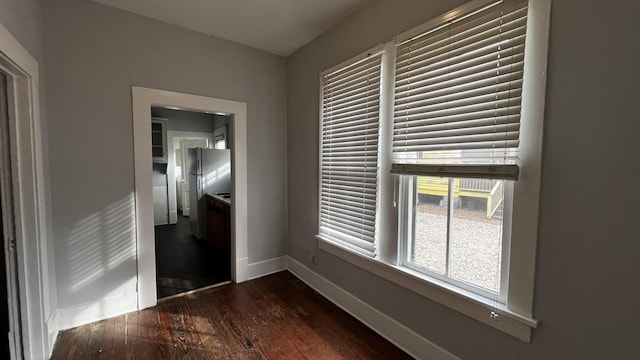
x,y
143,99
27,183
175,139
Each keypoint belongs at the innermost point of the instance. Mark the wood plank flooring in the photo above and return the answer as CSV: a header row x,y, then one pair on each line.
x,y
184,263
274,317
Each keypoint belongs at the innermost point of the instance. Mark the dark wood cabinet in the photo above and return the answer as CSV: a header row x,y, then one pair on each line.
x,y
219,225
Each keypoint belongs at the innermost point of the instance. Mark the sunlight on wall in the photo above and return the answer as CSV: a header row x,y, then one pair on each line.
x,y
99,244
221,172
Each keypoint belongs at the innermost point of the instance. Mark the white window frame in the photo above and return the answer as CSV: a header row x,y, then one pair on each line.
x,y
515,315
407,196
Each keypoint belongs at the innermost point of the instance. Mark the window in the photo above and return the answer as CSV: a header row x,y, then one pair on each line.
x,y
455,231
448,205
220,138
349,152
220,143
458,95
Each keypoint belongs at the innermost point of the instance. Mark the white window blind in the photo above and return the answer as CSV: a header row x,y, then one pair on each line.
x,y
349,152
458,93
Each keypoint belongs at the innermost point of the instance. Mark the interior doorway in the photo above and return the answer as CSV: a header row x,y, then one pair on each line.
x,y
191,167
143,100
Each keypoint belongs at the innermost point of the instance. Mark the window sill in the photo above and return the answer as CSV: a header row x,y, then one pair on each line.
x,y
465,302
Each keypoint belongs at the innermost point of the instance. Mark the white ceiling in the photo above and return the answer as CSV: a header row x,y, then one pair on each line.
x,y
276,26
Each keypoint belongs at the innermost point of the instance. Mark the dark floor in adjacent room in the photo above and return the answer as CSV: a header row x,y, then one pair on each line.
x,y
184,263
273,317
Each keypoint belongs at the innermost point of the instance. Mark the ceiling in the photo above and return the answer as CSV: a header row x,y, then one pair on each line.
x,y
276,26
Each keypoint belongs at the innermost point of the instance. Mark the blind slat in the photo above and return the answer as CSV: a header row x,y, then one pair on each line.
x,y
458,90
400,150
353,243
345,195
355,90
471,46
488,84
463,29
462,78
462,124
348,154
466,132
353,228
427,119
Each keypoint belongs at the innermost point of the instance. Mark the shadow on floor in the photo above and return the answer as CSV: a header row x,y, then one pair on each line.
x,y
184,263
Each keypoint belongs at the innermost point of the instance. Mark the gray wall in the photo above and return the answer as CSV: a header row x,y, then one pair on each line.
x,y
24,20
94,54
587,274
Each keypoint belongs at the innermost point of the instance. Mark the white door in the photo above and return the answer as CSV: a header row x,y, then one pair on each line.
x,y
184,145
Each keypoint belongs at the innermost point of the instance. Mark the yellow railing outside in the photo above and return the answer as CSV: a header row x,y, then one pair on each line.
x,y
437,186
491,190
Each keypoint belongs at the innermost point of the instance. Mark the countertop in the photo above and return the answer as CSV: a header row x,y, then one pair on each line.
x,y
220,198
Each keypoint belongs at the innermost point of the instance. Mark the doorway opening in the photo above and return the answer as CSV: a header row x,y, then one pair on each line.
x,y
192,174
144,100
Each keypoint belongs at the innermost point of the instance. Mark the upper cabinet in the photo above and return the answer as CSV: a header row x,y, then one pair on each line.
x,y
159,139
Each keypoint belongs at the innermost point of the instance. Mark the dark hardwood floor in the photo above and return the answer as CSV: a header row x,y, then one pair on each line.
x,y
184,263
274,317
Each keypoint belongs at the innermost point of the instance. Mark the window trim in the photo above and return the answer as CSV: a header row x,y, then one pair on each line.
x,y
468,303
516,315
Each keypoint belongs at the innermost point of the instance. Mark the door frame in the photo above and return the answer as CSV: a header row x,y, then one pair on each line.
x,y
172,135
143,99
32,270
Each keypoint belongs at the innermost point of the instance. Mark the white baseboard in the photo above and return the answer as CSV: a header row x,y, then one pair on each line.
x,y
241,270
266,267
70,317
52,332
173,217
398,334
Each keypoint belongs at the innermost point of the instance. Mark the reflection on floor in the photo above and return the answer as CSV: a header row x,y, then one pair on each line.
x,y
274,317
184,263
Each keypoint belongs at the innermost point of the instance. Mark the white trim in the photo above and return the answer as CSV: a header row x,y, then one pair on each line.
x,y
242,269
143,99
266,267
465,302
52,330
386,216
171,164
77,315
398,334
28,192
526,196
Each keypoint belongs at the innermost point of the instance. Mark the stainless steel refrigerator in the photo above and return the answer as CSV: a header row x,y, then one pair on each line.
x,y
209,172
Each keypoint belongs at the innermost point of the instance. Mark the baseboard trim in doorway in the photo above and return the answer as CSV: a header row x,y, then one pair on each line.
x,y
267,267
193,291
398,334
52,331
73,316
